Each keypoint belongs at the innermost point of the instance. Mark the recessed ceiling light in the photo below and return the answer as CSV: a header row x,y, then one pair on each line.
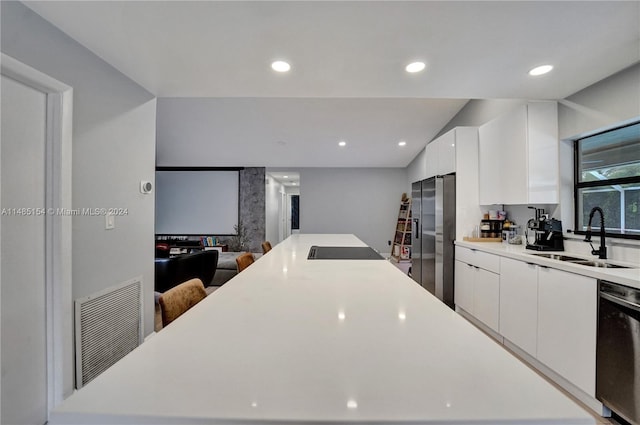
x,y
280,66
342,143
402,143
285,177
540,70
415,67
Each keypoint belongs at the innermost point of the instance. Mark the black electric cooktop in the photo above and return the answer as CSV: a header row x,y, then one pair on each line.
x,y
343,253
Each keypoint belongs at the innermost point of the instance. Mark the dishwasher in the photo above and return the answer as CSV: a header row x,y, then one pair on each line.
x,y
618,350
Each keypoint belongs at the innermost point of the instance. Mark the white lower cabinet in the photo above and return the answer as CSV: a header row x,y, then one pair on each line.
x,y
548,313
519,303
477,285
464,278
486,298
567,326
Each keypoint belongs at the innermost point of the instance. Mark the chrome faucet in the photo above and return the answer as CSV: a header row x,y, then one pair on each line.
x,y
602,251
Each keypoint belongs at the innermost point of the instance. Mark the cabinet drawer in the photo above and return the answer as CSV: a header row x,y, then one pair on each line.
x,y
478,258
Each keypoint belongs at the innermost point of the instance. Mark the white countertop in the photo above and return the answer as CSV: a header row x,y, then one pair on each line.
x,y
626,276
324,341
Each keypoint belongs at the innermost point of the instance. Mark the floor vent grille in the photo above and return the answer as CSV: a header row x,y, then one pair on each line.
x,y
108,327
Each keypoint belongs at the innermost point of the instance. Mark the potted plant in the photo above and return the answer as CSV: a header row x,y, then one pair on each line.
x,y
239,241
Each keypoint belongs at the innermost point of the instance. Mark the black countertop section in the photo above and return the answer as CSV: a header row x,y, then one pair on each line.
x,y
343,253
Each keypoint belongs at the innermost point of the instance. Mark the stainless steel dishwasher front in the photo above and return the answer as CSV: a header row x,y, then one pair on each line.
x,y
618,350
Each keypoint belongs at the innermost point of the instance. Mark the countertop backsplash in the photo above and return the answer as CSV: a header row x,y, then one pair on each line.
x,y
625,250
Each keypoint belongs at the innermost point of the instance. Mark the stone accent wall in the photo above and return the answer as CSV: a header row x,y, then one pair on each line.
x,y
252,206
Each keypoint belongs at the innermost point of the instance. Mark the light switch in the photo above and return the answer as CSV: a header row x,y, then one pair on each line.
x,y
110,221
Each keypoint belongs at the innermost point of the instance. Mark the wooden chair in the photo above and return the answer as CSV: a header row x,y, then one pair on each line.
x,y
244,260
180,298
266,247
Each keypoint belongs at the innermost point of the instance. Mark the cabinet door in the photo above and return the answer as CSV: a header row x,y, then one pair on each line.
x,y
567,321
467,203
486,298
431,153
513,165
464,286
489,162
542,151
519,303
446,146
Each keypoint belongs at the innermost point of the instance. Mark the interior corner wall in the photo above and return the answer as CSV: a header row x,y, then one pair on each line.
x,y
362,201
479,111
113,150
607,102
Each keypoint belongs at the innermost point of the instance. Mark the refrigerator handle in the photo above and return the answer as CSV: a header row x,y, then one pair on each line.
x,y
415,226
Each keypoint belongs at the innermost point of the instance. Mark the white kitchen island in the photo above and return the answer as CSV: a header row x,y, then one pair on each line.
x,y
298,341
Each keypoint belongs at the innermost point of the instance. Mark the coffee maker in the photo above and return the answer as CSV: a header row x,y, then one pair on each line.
x,y
547,231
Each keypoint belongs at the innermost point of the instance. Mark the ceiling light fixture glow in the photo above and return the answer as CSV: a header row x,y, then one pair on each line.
x,y
415,67
402,143
540,70
342,143
280,66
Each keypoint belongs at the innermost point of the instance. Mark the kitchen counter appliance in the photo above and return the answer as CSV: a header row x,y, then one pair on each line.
x,y
547,232
432,251
618,350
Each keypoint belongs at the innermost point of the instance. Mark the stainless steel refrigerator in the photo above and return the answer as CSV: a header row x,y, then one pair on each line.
x,y
434,229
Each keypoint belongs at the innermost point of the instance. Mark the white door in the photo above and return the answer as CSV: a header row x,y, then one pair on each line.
x,y
22,268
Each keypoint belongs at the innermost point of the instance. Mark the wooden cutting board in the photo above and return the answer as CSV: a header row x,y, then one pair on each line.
x,y
468,239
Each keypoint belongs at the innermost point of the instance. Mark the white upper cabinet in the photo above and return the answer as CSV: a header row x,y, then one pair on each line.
x,y
468,209
431,154
518,156
446,147
441,154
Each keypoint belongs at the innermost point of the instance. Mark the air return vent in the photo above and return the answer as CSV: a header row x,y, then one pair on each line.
x,y
108,326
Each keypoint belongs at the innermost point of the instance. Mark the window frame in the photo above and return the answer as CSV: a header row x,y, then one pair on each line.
x,y
577,185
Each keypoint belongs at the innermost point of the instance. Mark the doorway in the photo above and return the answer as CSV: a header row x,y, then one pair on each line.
x,y
282,213
35,269
294,213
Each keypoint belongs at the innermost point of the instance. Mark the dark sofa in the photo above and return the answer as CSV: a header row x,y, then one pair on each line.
x,y
173,271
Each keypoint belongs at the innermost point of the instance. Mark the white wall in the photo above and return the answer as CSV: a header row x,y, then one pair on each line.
x,y
113,150
362,201
607,102
273,207
479,111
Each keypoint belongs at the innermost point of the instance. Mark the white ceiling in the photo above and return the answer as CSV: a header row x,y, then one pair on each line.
x,y
357,49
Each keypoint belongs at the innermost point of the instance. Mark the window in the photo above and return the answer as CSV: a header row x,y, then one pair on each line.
x,y
608,176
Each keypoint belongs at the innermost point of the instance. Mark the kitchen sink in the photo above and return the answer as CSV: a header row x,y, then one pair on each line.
x,y
559,257
581,261
602,264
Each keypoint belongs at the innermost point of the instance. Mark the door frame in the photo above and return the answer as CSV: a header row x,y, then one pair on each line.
x,y
58,242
